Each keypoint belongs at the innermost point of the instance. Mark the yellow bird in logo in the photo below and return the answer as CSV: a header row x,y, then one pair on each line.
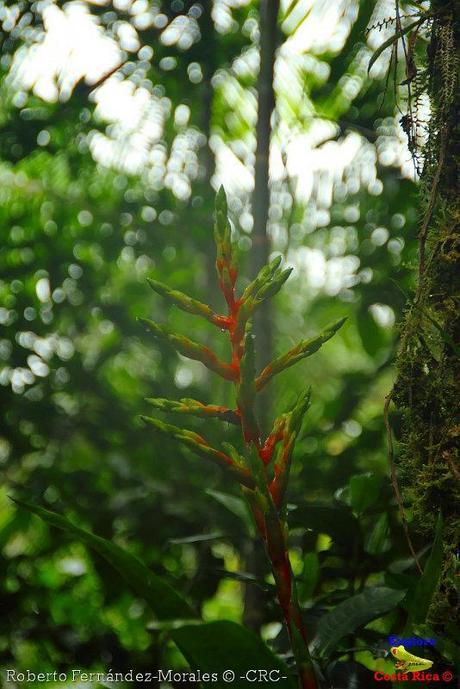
x,y
408,662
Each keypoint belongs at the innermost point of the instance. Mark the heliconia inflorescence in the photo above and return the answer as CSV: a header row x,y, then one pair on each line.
x,y
262,467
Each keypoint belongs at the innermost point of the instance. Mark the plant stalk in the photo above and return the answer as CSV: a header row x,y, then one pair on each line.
x,y
273,532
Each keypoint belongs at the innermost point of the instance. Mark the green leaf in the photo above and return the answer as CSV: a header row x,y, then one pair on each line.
x,y
235,505
377,541
290,7
293,19
247,389
302,350
364,491
181,300
190,349
419,600
200,447
386,44
222,645
186,405
197,538
372,336
310,575
399,581
353,613
165,602
211,647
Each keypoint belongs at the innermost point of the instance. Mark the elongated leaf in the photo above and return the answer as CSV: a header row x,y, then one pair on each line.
x,y
195,408
212,647
199,446
182,301
219,646
293,423
247,578
268,282
302,350
364,491
226,270
353,613
247,390
419,600
222,229
386,44
310,575
291,6
372,337
265,274
197,538
377,541
165,602
235,505
190,349
296,15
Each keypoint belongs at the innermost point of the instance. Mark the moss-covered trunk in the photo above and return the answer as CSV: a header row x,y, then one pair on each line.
x,y
427,389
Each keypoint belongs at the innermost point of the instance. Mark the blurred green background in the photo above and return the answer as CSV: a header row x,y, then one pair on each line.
x,y
107,181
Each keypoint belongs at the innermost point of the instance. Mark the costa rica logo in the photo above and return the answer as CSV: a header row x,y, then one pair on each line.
x,y
408,662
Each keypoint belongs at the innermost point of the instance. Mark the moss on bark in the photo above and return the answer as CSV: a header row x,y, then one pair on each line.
x,y
427,389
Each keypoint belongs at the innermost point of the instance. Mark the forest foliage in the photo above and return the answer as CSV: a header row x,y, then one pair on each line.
x,y
143,553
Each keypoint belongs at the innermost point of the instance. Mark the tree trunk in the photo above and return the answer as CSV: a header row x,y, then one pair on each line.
x,y
254,600
427,389
261,198
207,159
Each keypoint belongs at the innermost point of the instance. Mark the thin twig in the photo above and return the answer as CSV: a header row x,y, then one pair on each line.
x,y
104,77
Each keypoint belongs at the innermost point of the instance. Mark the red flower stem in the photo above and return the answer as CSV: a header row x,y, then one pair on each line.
x,y
267,449
266,516
272,533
